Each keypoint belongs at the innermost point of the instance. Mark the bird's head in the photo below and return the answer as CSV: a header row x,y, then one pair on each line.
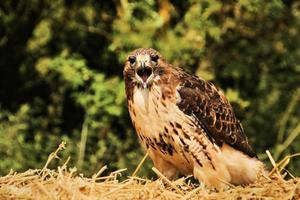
x,y
142,66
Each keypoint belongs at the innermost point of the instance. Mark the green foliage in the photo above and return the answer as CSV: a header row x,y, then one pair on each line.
x,y
61,73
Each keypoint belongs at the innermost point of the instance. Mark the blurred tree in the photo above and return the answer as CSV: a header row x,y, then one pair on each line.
x,y
61,73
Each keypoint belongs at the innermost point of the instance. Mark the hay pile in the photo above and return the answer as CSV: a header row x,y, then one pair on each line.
x,y
62,183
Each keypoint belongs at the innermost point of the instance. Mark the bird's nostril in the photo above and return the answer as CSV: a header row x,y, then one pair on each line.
x,y
144,73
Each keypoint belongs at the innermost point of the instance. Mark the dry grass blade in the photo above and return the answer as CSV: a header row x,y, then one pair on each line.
x,y
275,167
95,176
167,180
121,186
54,154
44,190
140,164
283,163
192,193
63,183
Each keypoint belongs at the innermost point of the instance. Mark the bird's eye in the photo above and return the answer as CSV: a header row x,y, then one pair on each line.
x,y
154,58
131,59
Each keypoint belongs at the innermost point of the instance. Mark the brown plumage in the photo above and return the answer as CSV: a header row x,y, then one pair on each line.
x,y
186,124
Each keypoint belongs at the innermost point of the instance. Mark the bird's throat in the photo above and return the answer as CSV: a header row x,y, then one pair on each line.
x,y
141,98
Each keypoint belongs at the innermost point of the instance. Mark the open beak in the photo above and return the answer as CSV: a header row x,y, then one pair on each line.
x,y
144,72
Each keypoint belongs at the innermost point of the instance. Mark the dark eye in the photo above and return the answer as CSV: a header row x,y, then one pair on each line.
x,y
154,58
131,59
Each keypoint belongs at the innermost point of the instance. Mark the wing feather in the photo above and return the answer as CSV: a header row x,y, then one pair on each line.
x,y
212,111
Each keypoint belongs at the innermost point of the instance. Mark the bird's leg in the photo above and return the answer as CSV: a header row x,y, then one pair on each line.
x,y
165,167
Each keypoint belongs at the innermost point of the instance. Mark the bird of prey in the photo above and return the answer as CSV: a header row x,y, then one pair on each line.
x,y
186,124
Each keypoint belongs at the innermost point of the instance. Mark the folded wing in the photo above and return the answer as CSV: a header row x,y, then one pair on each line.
x,y
212,112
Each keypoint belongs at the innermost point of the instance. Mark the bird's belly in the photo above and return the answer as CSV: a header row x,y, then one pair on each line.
x,y
162,129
